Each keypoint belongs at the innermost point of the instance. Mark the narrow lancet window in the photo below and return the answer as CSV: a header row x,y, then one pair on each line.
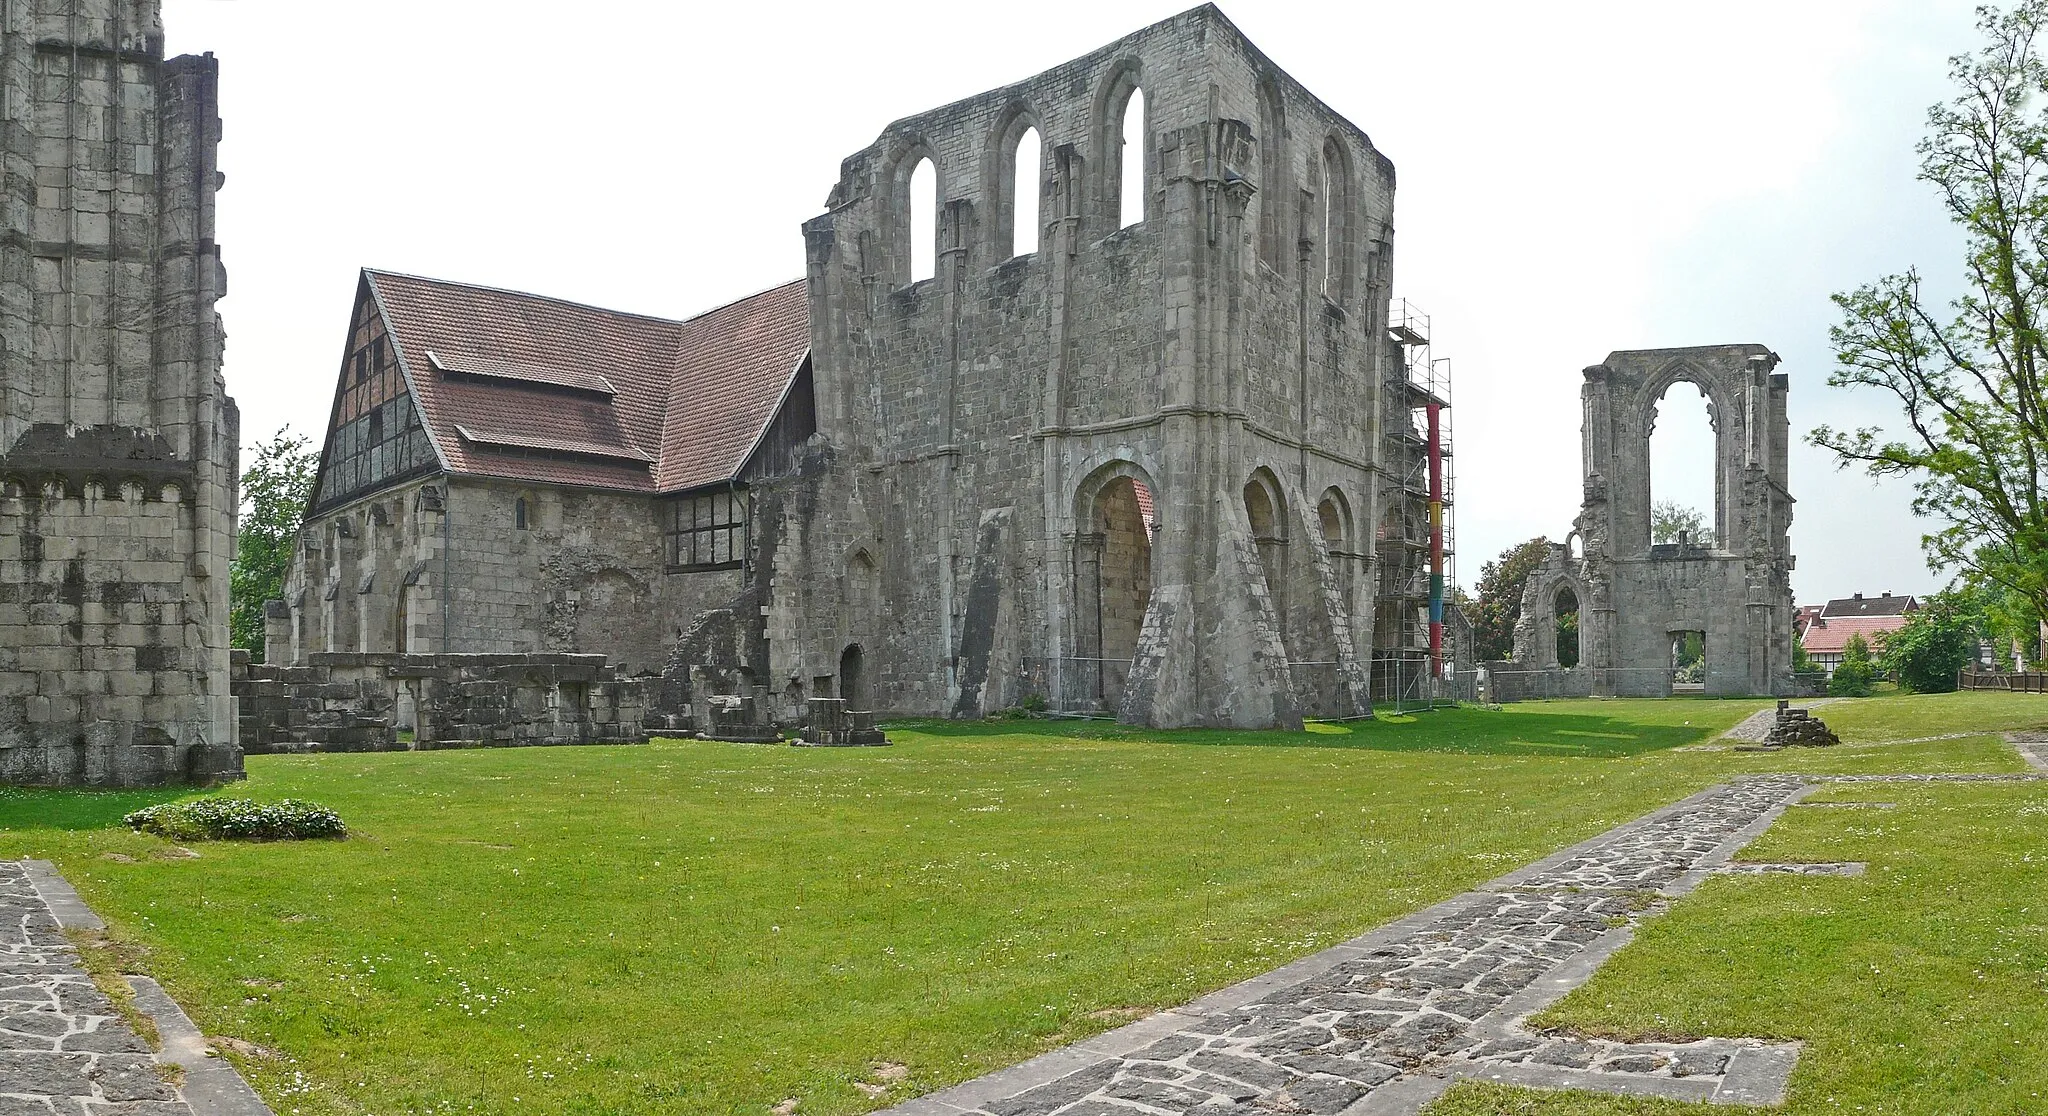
x,y
1131,191
924,221
1025,229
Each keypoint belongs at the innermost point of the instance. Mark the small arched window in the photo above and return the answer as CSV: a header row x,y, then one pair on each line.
x,y
1027,164
1272,171
924,221
1133,142
519,513
1336,201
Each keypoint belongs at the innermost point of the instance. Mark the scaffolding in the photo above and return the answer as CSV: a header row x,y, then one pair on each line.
x,y
1419,541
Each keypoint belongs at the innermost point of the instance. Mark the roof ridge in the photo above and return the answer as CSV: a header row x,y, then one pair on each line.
x,y
376,271
743,298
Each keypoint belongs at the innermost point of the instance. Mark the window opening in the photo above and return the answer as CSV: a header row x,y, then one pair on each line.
x,y
519,513
1564,614
1332,250
1131,135
1684,482
924,221
1688,662
1025,228
707,531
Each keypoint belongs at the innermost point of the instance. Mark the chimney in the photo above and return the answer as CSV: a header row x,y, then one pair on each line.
x,y
1859,596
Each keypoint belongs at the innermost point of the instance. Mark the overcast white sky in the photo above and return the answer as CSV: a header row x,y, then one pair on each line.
x,y
1575,178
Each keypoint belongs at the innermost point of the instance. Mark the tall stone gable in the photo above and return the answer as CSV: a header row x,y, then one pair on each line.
x,y
1098,463
118,442
1637,598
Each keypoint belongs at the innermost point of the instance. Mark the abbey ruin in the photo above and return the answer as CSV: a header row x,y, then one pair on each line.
x,y
118,442
1117,424
1639,602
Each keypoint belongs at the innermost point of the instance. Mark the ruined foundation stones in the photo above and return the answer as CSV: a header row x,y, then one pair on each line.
x,y
118,442
1798,727
347,702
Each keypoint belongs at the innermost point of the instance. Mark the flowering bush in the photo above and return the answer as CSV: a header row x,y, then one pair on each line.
x,y
238,819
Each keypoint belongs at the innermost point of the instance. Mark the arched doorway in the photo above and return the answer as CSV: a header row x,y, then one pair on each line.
x,y
1113,590
853,679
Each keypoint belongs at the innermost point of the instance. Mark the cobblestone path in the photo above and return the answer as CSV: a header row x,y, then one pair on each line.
x,y
1384,1023
63,1050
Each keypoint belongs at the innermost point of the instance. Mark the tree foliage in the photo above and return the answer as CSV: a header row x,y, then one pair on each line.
x,y
275,488
1669,519
1855,674
1937,641
1501,582
1968,378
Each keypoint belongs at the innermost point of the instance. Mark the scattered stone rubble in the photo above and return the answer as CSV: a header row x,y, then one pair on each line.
x,y
1793,728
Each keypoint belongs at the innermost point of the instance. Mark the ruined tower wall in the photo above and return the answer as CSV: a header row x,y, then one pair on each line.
x,y
973,417
118,443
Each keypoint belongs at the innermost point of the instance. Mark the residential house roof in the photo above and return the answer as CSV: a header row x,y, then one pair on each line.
x,y
1859,605
1830,636
526,387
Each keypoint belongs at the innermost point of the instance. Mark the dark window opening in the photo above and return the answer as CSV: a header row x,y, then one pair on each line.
x,y
519,513
707,531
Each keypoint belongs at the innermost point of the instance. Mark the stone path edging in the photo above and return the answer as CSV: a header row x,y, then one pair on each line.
x,y
50,1008
2032,747
1383,1023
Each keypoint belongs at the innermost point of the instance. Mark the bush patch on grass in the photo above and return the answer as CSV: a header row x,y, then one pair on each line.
x,y
238,819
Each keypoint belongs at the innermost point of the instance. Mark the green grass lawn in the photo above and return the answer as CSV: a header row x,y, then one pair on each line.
x,y
691,927
1920,987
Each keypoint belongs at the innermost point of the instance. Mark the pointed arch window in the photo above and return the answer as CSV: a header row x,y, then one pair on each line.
x,y
1132,145
1027,158
924,220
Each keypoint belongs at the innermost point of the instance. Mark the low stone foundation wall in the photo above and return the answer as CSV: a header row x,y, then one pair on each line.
x,y
345,702
1510,681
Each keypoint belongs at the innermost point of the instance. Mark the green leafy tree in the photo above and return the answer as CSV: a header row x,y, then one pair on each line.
x,y
1669,519
1937,641
1568,639
1500,597
275,488
1967,378
1855,673
1801,661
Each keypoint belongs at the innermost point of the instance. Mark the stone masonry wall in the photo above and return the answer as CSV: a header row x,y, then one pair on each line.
x,y
587,574
364,702
968,420
118,442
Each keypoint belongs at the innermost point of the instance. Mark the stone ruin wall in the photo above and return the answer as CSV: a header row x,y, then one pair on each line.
x,y
970,421
1635,597
118,443
355,702
585,575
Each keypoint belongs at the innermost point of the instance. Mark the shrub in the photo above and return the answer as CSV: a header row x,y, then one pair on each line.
x,y
238,819
1937,641
1855,673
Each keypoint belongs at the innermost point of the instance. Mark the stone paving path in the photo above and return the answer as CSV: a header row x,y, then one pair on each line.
x,y
1385,1023
64,1050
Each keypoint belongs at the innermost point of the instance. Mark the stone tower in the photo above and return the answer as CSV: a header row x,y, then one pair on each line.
x,y
118,442
1637,599
1118,458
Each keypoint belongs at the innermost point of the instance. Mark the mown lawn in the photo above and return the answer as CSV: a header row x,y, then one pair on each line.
x,y
691,927
1920,987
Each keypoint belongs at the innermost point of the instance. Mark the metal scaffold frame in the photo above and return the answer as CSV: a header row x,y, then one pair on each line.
x,y
1432,476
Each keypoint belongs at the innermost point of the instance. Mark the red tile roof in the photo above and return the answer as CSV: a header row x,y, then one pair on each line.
x,y
1830,636
525,387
